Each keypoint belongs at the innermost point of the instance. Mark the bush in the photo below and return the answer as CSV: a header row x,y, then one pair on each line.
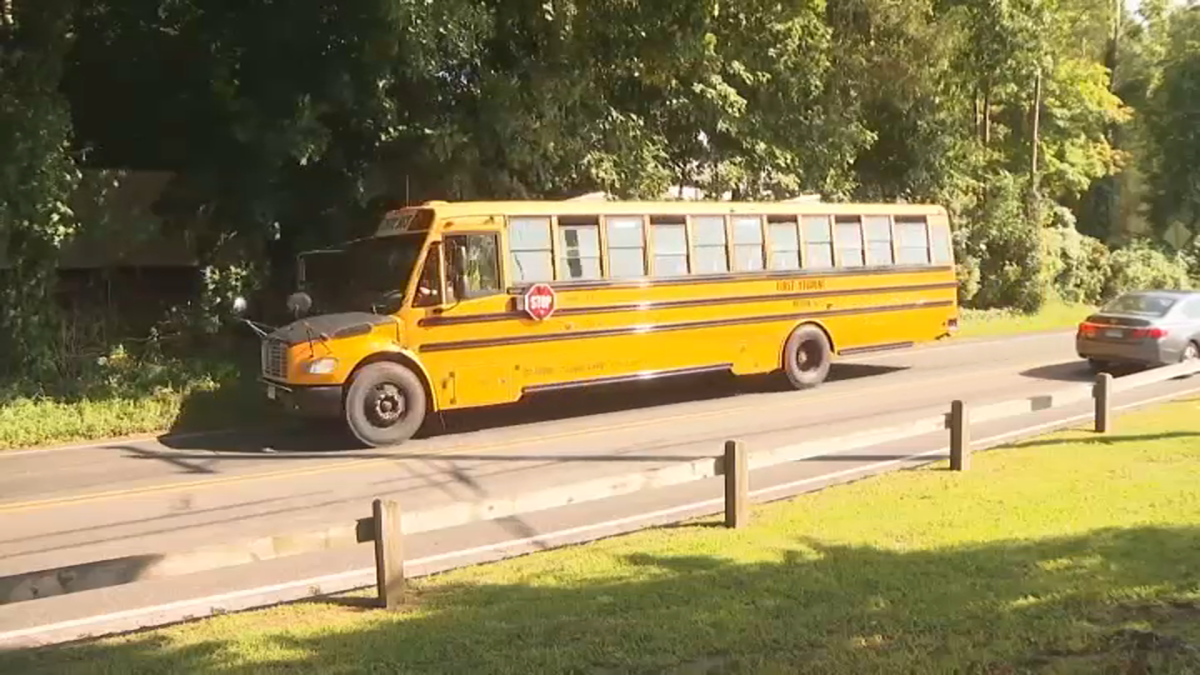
x,y
1003,250
1141,266
1076,265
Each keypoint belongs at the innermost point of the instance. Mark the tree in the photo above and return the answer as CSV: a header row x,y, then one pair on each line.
x,y
36,178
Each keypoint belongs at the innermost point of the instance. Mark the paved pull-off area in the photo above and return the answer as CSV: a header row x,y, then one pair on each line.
x,y
72,505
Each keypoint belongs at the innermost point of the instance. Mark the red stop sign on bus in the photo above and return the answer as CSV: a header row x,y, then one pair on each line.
x,y
540,302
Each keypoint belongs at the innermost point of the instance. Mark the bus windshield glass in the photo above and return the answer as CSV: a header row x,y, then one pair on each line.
x,y
369,275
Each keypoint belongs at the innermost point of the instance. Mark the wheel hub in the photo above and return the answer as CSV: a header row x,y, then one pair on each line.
x,y
388,404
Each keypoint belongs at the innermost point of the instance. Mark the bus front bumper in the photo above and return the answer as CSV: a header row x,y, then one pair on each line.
x,y
309,401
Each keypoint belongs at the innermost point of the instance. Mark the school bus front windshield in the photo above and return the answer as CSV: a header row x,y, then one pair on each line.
x,y
368,275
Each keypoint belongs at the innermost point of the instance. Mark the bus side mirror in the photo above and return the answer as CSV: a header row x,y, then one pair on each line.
x,y
299,303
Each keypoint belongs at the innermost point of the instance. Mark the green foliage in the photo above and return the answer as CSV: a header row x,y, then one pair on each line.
x,y
1174,128
37,175
1141,266
1006,248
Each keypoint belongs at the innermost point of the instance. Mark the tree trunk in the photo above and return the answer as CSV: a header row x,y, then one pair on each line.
x,y
1034,198
987,114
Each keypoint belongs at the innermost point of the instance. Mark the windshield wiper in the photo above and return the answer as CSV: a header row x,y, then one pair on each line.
x,y
314,333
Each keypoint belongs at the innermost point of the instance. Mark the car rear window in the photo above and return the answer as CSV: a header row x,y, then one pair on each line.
x,y
1141,303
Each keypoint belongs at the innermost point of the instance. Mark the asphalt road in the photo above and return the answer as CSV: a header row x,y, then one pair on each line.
x,y
70,505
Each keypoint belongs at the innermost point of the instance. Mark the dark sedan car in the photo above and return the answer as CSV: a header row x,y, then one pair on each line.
x,y
1146,328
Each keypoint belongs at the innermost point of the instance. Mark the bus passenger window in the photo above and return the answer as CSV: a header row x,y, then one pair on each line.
x,y
911,241
747,244
530,256
818,243
579,248
709,255
848,235
626,247
939,236
429,284
783,245
670,247
878,231
481,268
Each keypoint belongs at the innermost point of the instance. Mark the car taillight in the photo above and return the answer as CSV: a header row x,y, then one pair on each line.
x,y
1087,329
1151,333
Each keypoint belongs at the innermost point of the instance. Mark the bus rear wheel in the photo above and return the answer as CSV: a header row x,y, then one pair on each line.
x,y
806,357
385,404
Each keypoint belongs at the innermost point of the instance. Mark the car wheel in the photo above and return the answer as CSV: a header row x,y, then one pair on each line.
x,y
385,404
1191,352
1098,366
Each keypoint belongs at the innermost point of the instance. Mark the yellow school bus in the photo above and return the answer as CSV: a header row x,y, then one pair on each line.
x,y
457,305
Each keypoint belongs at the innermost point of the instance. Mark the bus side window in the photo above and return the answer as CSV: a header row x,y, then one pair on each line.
x,y
818,243
530,253
939,239
878,233
709,255
912,241
668,236
578,247
476,262
747,244
848,235
626,247
429,285
783,243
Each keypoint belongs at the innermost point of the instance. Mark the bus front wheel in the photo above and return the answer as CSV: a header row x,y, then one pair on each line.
x,y
385,404
807,356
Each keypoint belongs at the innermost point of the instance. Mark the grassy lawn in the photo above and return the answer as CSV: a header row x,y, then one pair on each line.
x,y
1066,554
1002,322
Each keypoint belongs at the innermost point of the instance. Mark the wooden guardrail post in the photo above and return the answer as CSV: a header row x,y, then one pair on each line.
x,y
1102,394
960,437
389,553
737,484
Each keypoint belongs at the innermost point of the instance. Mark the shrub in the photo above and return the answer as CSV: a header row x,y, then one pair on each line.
x,y
1005,248
1141,266
1077,266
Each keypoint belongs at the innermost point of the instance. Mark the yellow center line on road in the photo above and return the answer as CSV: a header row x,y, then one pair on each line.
x,y
821,398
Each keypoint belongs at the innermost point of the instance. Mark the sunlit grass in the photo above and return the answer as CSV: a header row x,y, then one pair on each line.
x,y
1056,315
1071,553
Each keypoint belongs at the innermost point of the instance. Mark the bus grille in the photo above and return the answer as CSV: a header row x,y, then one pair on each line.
x,y
274,359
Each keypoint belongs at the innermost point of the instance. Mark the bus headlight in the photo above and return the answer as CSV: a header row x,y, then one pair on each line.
x,y
322,366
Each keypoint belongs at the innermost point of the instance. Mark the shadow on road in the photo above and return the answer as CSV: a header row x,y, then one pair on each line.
x,y
329,436
1075,371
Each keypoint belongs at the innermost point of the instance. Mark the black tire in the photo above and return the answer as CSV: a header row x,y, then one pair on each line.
x,y
1191,351
385,404
1098,366
807,356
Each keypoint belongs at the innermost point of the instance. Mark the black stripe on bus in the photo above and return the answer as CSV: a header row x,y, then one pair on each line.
x,y
665,327
870,349
623,379
676,304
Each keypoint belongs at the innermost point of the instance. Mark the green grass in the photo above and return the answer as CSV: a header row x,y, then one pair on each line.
x,y
1066,554
124,396
1056,315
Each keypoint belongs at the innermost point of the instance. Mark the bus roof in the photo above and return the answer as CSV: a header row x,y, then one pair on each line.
x,y
583,208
